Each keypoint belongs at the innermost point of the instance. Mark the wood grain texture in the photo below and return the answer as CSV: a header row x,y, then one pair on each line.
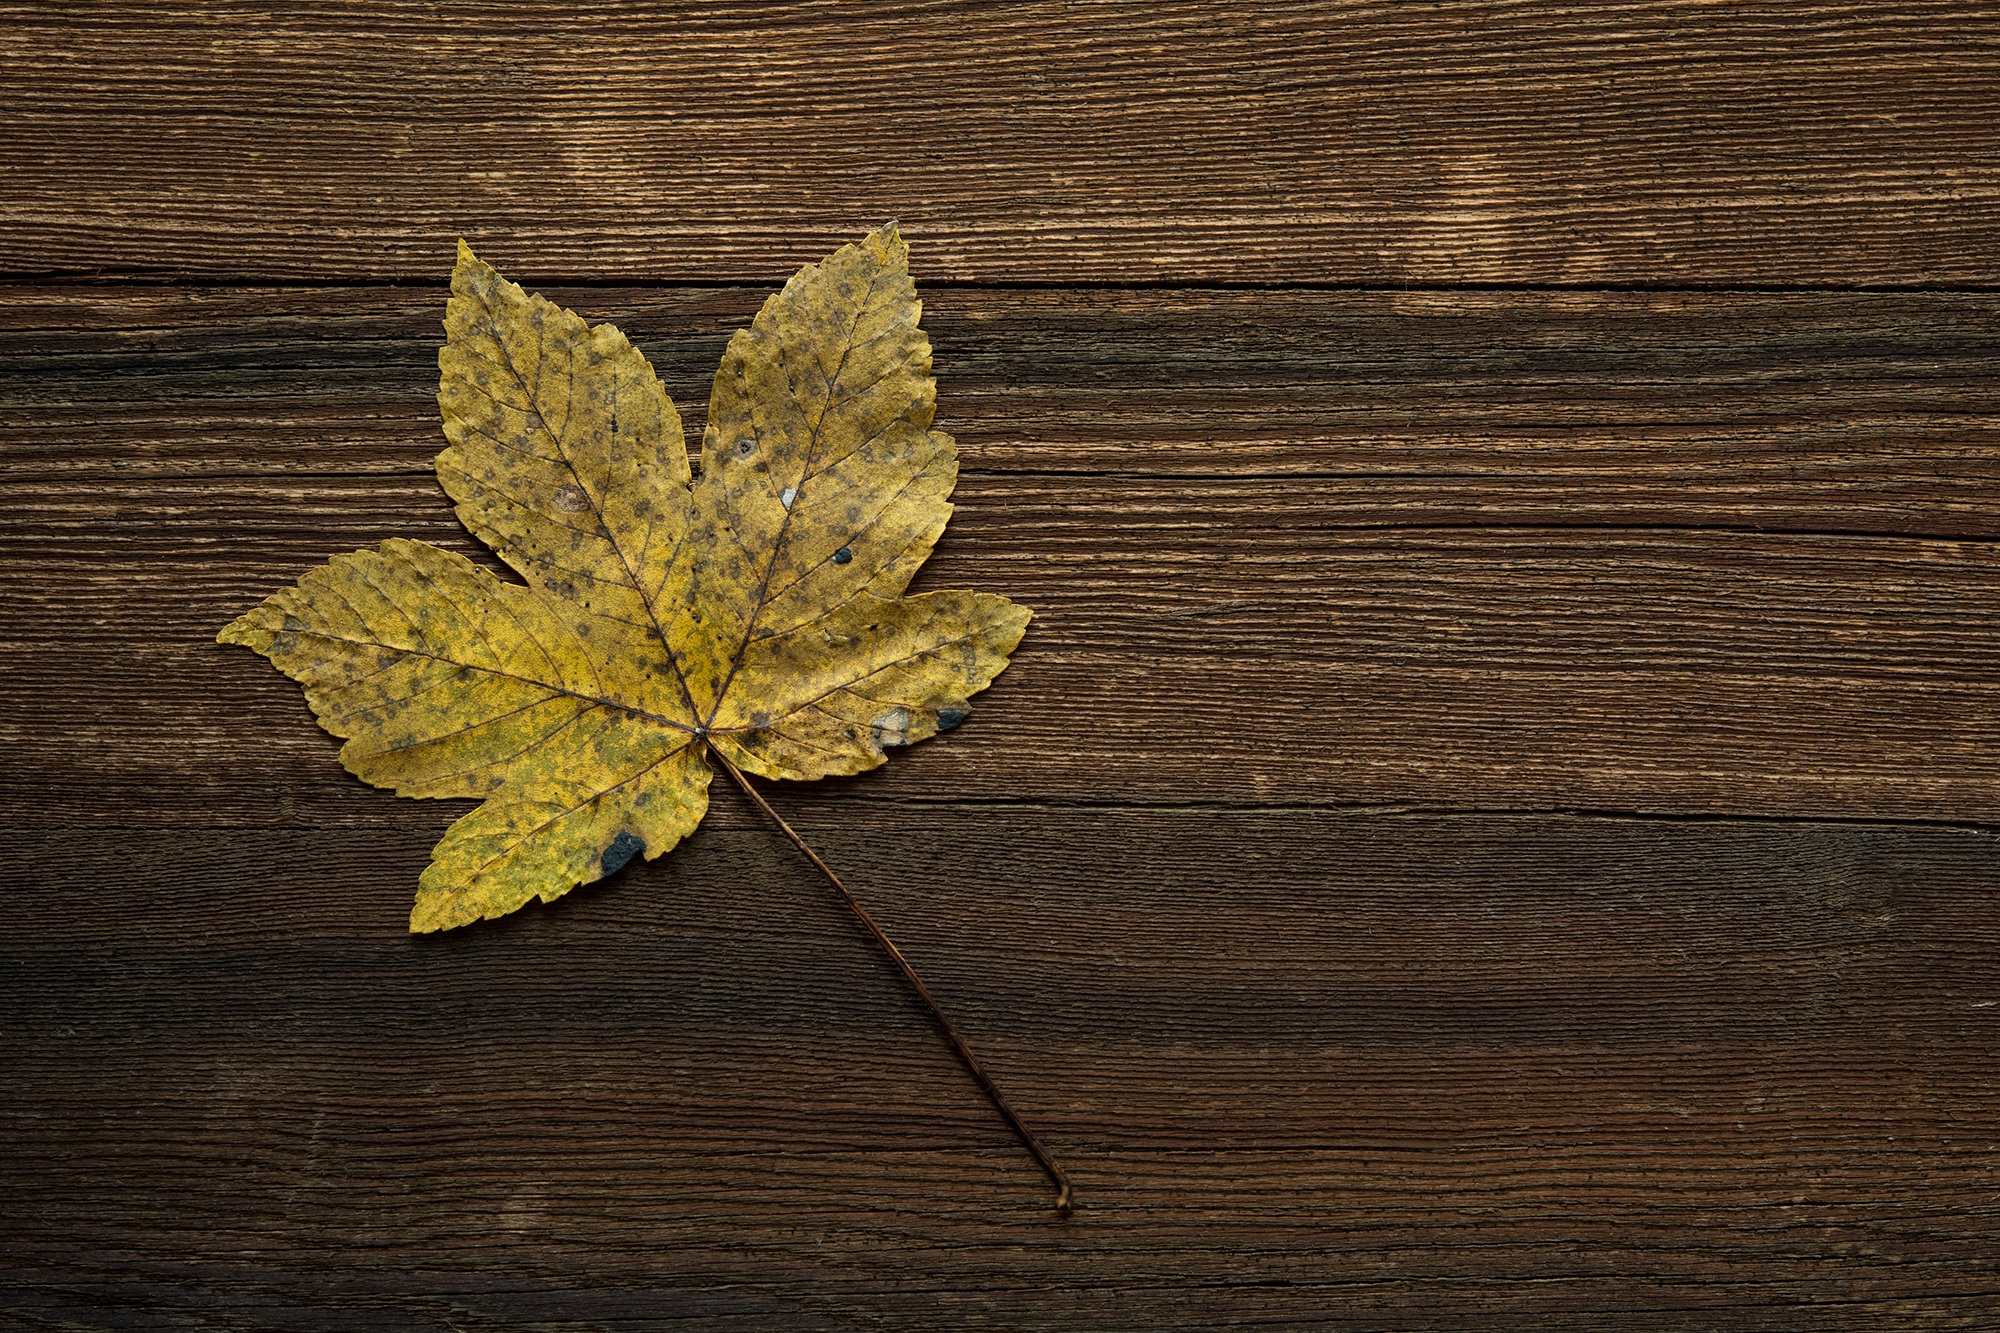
x,y
1492,828
1312,1070
1666,142
1812,412
1486,554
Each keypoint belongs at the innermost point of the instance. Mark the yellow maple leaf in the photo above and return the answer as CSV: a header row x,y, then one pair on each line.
x,y
756,616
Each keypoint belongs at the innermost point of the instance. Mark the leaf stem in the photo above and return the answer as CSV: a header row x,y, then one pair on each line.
x,y
971,1061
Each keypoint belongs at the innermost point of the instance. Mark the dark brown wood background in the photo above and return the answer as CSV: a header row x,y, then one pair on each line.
x,y
1493,826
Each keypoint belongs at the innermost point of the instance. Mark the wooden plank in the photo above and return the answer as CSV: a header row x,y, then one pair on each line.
x,y
1505,551
1250,878
1222,641
1834,412
1592,144
1314,1071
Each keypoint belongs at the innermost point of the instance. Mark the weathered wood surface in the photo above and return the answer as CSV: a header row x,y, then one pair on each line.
x,y
1829,142
1296,557
1314,1071
1493,826
1692,554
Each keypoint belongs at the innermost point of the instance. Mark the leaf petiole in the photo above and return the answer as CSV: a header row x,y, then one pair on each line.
x,y
971,1061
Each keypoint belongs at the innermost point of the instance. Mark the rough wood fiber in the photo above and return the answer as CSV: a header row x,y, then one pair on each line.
x,y
1224,635
1305,560
1667,142
1820,412
1483,552
1359,1072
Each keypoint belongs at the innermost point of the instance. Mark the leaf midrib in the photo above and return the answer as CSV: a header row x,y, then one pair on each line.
x,y
763,599
596,505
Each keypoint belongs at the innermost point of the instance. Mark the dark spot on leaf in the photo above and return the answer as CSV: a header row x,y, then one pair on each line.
x,y
950,717
622,849
842,556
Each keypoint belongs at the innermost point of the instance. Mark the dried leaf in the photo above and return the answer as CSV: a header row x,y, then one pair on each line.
x,y
758,611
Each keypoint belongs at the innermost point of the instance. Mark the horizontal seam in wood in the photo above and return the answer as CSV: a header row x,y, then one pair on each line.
x,y
763,282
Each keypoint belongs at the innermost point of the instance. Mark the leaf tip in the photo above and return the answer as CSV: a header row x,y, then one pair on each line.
x,y
1011,618
433,912
237,633
468,275
889,236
